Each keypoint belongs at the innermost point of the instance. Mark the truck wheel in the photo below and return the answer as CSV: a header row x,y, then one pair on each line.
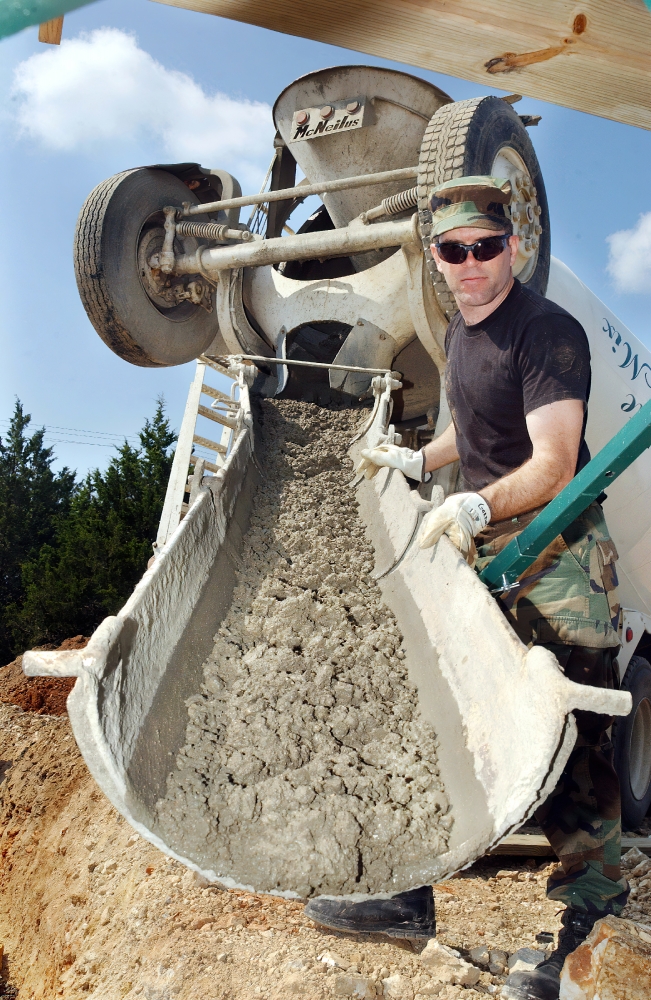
x,y
486,136
144,316
632,739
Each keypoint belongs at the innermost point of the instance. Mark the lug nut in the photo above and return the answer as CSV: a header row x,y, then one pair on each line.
x,y
302,117
327,111
352,107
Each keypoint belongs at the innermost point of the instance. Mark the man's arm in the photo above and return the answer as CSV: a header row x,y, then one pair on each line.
x,y
555,432
442,450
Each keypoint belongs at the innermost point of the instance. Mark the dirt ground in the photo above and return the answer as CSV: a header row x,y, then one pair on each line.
x,y
44,695
89,908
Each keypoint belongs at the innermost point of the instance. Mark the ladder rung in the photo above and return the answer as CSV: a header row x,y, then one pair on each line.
x,y
206,464
210,445
216,394
215,365
205,411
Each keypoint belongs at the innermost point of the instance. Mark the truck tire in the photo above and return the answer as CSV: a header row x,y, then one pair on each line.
x,y
486,136
632,739
142,320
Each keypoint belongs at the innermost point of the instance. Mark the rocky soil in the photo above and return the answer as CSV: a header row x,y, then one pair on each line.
x,y
89,908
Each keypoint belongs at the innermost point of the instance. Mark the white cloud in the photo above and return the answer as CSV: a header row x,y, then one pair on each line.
x,y
630,257
102,88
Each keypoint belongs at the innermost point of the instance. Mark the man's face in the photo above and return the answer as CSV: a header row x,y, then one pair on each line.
x,y
476,283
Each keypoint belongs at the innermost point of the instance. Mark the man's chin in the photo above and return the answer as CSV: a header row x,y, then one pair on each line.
x,y
475,296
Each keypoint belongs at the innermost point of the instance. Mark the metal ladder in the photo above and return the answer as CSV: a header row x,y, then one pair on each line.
x,y
222,410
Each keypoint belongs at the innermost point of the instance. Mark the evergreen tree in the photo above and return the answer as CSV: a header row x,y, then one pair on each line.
x,y
34,501
102,547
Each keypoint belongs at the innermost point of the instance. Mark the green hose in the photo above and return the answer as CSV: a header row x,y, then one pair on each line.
x,y
18,14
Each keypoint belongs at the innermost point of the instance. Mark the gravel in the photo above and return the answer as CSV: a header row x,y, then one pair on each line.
x,y
306,766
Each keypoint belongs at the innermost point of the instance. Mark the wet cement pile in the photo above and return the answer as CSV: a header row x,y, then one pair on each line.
x,y
306,766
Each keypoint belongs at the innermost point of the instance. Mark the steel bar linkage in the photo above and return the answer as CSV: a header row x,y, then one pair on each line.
x,y
620,452
302,191
314,364
304,246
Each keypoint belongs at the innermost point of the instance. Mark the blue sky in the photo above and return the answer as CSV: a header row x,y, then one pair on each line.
x,y
65,125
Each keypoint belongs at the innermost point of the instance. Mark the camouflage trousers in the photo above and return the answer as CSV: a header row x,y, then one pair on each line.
x,y
568,603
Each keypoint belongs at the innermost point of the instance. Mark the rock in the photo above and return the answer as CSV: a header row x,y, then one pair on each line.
x,y
295,984
446,965
109,866
525,959
633,858
613,963
354,986
497,964
104,919
333,960
480,956
642,869
506,873
223,957
196,925
296,965
201,881
397,987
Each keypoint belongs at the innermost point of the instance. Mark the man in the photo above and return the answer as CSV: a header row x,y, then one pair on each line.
x,y
517,383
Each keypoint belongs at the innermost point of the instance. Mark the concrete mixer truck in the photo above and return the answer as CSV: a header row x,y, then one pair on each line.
x,y
348,313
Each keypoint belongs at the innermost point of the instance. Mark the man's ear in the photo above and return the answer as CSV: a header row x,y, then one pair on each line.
x,y
514,243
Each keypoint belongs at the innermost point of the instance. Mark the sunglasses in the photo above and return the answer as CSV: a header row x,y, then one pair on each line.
x,y
482,250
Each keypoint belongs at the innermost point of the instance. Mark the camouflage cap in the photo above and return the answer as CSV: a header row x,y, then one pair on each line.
x,y
476,202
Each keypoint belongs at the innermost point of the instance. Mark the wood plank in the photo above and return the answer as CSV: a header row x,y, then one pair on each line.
x,y
534,845
50,31
209,414
216,366
594,58
206,464
210,445
218,394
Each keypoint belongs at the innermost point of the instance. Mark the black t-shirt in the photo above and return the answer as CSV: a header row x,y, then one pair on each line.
x,y
527,353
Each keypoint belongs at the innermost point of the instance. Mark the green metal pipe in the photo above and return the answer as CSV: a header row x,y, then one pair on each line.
x,y
620,452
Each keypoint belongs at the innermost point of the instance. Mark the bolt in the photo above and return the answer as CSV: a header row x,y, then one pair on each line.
x,y
352,107
327,111
302,117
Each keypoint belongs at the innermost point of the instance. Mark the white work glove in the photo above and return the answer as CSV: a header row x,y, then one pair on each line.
x,y
461,517
391,456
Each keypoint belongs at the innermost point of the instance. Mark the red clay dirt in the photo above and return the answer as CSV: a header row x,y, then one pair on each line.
x,y
41,695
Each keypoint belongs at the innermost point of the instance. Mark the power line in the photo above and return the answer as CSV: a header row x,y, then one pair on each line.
x,y
78,430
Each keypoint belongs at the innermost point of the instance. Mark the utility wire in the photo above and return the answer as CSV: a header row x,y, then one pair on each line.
x,y
53,428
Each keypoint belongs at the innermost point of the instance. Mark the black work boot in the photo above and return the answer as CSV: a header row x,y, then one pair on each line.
x,y
544,982
405,915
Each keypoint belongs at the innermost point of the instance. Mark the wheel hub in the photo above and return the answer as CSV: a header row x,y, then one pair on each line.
x,y
164,290
639,757
524,209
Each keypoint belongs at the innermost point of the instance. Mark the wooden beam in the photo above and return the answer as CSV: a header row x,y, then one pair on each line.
x,y
50,31
532,845
592,58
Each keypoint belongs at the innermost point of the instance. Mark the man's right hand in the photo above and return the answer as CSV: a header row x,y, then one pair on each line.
x,y
391,456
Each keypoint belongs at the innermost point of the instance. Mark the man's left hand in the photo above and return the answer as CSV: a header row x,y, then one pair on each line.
x,y
461,517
